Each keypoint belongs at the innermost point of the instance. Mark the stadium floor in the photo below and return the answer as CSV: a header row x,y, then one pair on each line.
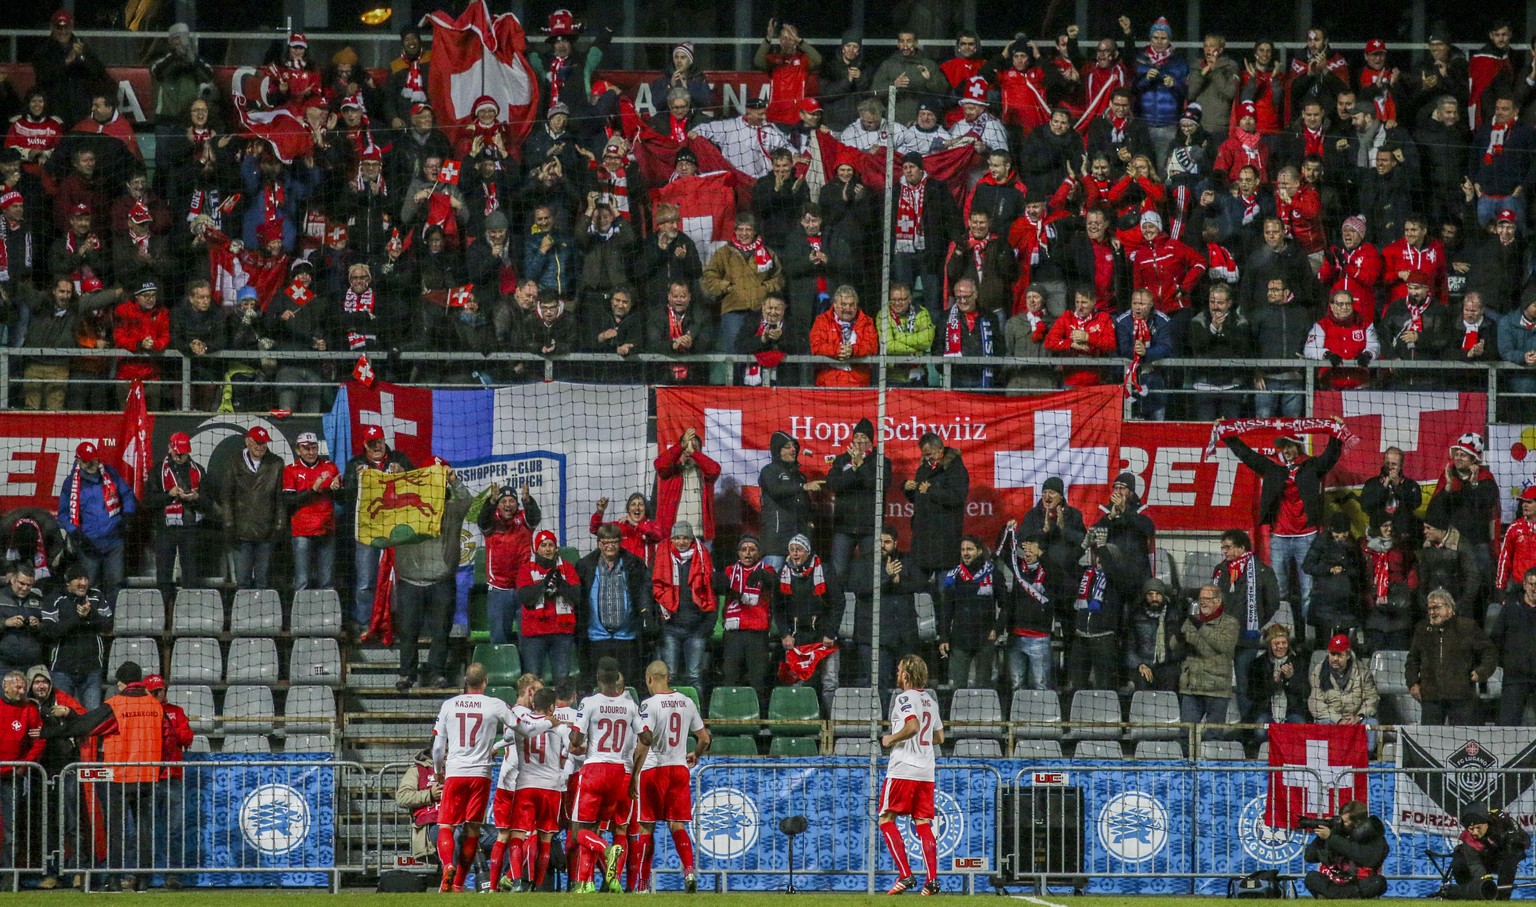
x,y
225,898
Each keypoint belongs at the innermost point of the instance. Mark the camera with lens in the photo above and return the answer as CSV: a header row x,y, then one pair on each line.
x,y
1312,823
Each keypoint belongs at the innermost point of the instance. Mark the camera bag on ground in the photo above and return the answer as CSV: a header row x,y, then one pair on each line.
x,y
1262,884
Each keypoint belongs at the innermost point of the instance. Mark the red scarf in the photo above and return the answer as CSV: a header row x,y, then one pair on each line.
x,y
1249,142
909,214
1381,573
1117,127
1415,322
1313,141
355,303
978,250
272,202
200,135
90,242
175,511
821,278
757,253
557,70
413,75
1158,57
492,203
1469,337
679,128
1207,618
674,331
616,184
109,496
1496,134
141,243
1140,330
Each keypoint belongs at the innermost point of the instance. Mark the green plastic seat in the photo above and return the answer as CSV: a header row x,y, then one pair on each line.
x,y
502,663
505,694
734,704
794,704
569,553
691,693
794,746
733,746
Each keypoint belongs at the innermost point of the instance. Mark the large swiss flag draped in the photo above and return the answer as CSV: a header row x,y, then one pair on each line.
x,y
1322,759
478,54
288,135
707,206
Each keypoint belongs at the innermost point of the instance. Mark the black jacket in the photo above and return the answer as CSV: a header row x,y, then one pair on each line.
x,y
1450,566
1060,548
1234,598
79,644
969,607
1133,533
938,515
1262,685
786,504
20,647
854,510
1514,633
1365,846
898,605
1441,659
1399,501
1336,597
804,613
1142,627
1273,475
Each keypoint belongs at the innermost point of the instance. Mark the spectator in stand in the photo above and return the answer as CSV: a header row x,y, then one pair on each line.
x,y
1448,657
687,94
507,520
1122,524
844,332
93,502
1337,569
1471,499
908,331
1342,335
554,331
845,79
68,67
1213,85
915,77
1497,262
1392,495
898,611
637,530
739,275
938,493
1517,346
1277,682
376,454
1060,531
56,707
1154,646
985,259
1343,688
406,85
1354,268
20,722
969,615
1281,329
21,611
1444,562
779,198
1110,584
670,257
1083,330
1219,332
1514,634
806,613
682,583
547,589
608,247
1440,132
816,260
174,494
1413,329
425,592
250,502
768,339
1517,554
1503,150
1162,77
310,484
142,327
787,510
1416,251
1144,336
1165,267
1120,135
750,588
685,487
972,332
851,478
616,603
746,141
1024,337
170,800
198,329
76,624
926,220
1250,593
1205,678
1291,508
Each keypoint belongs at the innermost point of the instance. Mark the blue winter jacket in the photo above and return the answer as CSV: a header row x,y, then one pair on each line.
x,y
103,531
1156,104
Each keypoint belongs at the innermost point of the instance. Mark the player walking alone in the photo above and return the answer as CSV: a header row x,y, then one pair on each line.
x,y
916,733
468,726
660,778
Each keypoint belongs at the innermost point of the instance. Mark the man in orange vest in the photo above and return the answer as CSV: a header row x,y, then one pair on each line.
x,y
131,728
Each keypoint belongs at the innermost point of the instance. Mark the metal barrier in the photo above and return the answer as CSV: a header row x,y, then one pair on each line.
x,y
236,823
391,827
24,799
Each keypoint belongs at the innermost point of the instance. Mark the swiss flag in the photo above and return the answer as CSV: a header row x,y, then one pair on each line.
x,y
288,135
133,440
707,206
449,173
478,54
656,158
404,413
949,167
1322,760
362,372
1423,424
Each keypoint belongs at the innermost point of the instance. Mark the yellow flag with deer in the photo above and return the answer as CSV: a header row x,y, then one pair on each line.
x,y
401,507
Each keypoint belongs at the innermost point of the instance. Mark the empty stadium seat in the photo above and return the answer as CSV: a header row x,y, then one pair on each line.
x,y
199,744
309,710
1389,668
1159,749
198,612
252,661
1166,571
1198,567
143,651
502,664
733,704
1042,708
505,694
1402,708
1493,686
1222,750
855,746
316,612
1389,752
138,611
690,692
927,622
1318,658
309,743
248,710
972,705
1037,749
1098,749
248,743
797,747
1090,706
1154,716
798,703
256,612
733,746
1262,756
314,661
978,749
197,701
853,708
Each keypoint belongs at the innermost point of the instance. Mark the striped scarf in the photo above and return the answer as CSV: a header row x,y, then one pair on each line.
x,y
109,494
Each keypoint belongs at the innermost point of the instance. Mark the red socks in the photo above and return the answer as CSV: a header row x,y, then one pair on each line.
x,y
516,857
467,849
498,854
541,862
445,846
930,849
684,845
897,847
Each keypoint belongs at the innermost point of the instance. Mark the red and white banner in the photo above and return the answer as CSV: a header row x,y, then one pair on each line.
x,y
288,135
37,451
1423,425
1322,759
707,205
1181,485
479,54
1010,445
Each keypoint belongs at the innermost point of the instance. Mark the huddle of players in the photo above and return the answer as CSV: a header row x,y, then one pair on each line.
x,y
606,766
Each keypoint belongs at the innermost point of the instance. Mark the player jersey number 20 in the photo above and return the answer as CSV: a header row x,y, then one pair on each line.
x,y
611,734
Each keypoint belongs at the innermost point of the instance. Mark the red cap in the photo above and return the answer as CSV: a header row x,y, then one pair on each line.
x,y
486,100
373,433
81,208
270,231
153,682
87,451
418,108
1339,643
809,105
1375,46
259,435
297,39
1505,215
181,443
1418,277
1247,109
544,534
138,214
10,197
372,153
1529,493
63,17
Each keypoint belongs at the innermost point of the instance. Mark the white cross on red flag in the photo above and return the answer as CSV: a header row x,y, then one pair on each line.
x,y
1316,770
362,372
449,173
300,294
457,297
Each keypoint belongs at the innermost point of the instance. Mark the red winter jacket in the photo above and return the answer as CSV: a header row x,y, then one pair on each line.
x,y
177,737
131,325
669,490
1101,342
700,579
1024,101
1399,257
545,615
16,719
1358,273
508,547
1518,553
827,340
1303,219
1347,340
1170,269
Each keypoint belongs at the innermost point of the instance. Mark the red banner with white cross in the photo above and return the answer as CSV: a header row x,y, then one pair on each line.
x,y
1315,770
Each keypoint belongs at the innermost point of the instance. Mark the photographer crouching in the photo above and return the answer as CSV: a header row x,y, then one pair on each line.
x,y
1491,844
1351,848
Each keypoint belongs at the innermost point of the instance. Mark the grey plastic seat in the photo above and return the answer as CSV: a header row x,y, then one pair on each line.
x,y
973,705
927,621
1403,709
197,701
310,710
1091,706
1389,752
855,746
1037,749
852,710
1098,749
138,611
309,743
1041,708
198,612
256,612
315,661
1197,567
1166,571
248,710
200,744
1222,750
249,743
978,749
1262,756
252,661
1154,714
196,659
141,650
1389,667
1318,658
316,612
1159,749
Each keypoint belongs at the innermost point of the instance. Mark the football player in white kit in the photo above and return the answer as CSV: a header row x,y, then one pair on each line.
x,y
468,726
530,806
916,733
607,721
660,778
